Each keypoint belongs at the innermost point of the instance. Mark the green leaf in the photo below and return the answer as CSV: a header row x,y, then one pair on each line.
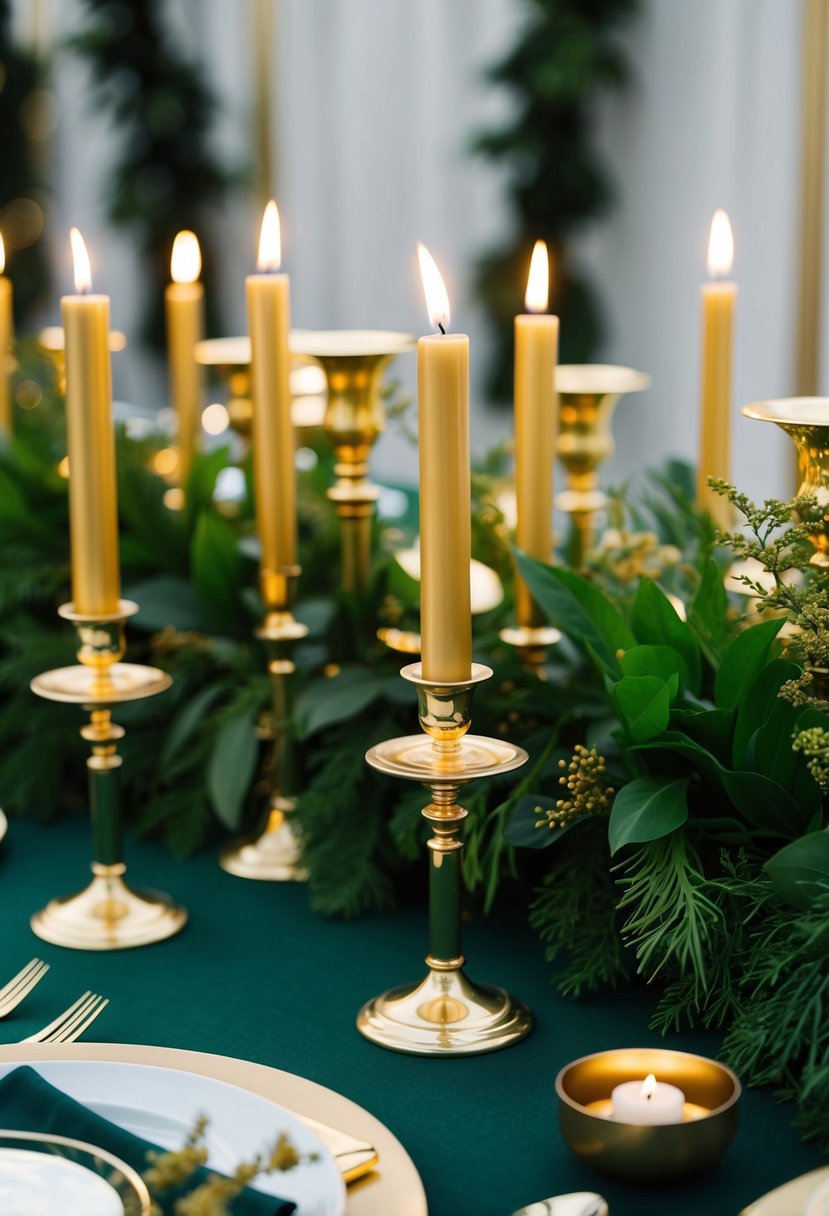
x,y
800,871
217,567
662,661
710,728
708,613
646,809
743,661
755,707
578,608
644,704
232,766
184,726
764,803
528,830
325,702
167,602
655,620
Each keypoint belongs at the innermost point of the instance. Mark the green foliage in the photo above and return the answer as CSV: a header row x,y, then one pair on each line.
x,y
647,808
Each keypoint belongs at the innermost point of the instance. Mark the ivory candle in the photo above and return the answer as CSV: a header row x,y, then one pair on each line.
x,y
536,355
445,493
184,305
6,332
647,1102
93,513
718,300
269,320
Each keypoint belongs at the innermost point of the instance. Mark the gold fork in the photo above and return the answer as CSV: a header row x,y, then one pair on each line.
x,y
72,1023
20,985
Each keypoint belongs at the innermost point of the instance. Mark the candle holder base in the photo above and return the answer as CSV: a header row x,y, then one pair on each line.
x,y
274,855
108,915
444,1015
532,644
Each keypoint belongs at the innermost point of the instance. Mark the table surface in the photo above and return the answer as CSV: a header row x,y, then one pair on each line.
x,y
257,976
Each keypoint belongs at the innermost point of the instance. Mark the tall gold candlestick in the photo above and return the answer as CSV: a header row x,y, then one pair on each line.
x,y
445,493
718,300
269,318
6,331
184,304
536,423
93,514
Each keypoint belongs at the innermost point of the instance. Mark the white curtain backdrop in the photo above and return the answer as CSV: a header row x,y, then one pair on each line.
x,y
375,103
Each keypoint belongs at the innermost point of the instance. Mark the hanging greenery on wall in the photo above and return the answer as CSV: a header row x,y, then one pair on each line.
x,y
167,175
566,57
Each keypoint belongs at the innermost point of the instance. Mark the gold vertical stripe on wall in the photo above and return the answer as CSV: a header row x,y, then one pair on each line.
x,y
264,70
813,165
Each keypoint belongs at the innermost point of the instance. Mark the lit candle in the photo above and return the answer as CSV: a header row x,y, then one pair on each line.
x,y
648,1101
93,513
184,302
536,354
6,331
269,320
445,494
718,300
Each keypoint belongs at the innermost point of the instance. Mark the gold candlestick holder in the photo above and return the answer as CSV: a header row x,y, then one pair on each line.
x,y
445,1014
588,394
108,914
274,854
353,362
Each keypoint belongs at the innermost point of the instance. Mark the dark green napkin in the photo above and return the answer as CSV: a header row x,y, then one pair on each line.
x,y
30,1104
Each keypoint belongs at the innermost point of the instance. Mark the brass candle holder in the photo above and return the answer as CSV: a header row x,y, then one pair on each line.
x,y
588,394
353,362
108,914
648,1152
445,1014
274,854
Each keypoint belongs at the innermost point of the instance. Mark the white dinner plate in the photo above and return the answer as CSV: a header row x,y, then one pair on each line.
x,y
162,1104
791,1199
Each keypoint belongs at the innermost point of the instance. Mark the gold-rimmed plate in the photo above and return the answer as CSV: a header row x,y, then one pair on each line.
x,y
41,1172
791,1199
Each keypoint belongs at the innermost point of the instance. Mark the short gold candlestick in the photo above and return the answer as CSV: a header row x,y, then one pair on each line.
x,y
445,1014
588,394
274,855
108,914
353,362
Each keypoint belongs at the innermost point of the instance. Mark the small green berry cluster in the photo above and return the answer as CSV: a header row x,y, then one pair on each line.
x,y
587,792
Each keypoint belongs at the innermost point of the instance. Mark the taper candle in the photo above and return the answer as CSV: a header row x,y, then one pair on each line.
x,y
184,304
93,513
269,320
445,493
718,300
6,331
536,423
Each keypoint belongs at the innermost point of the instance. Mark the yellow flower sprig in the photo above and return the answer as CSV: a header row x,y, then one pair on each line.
x,y
587,792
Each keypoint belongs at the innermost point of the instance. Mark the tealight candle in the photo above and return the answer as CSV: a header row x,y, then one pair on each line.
x,y
649,1101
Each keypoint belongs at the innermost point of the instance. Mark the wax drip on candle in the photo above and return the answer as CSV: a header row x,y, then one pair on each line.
x,y
80,258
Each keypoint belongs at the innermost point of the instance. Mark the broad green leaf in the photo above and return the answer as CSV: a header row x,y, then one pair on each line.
x,y
644,704
662,661
655,620
232,766
528,830
776,757
646,809
765,804
800,871
708,613
743,661
710,728
578,608
328,701
754,708
167,602
217,567
184,726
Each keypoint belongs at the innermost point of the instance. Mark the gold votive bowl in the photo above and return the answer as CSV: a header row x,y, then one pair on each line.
x,y
647,1152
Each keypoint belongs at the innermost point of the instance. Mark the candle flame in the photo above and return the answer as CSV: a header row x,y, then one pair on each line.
x,y
80,257
2,254
270,240
185,261
720,246
437,301
538,281
648,1087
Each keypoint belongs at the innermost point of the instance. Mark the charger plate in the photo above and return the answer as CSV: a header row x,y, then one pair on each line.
x,y
791,1199
394,1187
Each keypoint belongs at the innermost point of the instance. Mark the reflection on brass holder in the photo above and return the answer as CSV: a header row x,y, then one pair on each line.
x,y
353,362
445,1014
274,854
647,1152
107,915
588,394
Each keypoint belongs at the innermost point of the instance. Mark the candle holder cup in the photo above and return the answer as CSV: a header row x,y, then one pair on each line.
x,y
445,1014
274,854
647,1152
108,914
588,394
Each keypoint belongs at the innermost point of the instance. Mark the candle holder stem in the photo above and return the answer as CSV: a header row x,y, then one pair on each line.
x,y
444,1014
107,914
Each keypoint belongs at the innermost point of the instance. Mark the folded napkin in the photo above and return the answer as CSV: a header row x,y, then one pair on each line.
x,y
30,1104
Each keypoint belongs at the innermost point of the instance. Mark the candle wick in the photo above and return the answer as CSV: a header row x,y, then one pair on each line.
x,y
442,330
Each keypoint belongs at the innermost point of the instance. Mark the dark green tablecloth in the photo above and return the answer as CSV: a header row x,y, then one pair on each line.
x,y
256,975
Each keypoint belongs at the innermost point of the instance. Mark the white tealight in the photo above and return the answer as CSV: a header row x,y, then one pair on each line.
x,y
648,1101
